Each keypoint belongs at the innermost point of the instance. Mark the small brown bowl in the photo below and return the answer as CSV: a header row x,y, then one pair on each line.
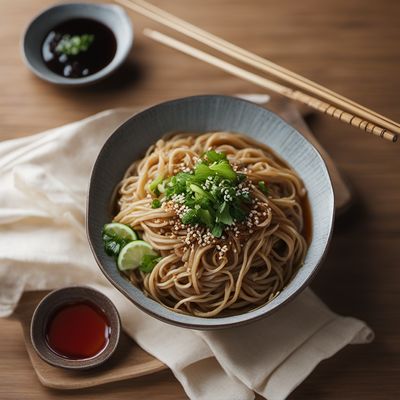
x,y
58,298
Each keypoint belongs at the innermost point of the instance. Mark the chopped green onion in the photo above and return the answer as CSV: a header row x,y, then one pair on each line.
x,y
112,247
73,45
202,172
190,217
161,187
210,193
213,156
217,230
205,217
238,213
224,169
153,185
263,187
199,191
241,177
224,215
115,236
148,262
156,203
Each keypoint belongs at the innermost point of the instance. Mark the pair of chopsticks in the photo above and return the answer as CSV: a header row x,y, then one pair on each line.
x,y
338,107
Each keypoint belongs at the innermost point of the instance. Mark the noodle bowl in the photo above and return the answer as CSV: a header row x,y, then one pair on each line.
x,y
253,259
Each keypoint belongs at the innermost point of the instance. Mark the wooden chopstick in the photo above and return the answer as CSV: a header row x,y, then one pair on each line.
x,y
273,86
165,18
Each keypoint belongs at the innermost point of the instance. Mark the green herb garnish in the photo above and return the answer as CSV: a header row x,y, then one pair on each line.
x,y
263,187
212,156
149,262
73,45
154,185
156,203
211,192
217,230
113,243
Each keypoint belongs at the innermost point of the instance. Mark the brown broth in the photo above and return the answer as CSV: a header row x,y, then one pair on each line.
x,y
98,55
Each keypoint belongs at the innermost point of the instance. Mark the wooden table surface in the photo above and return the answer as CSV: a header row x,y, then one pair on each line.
x,y
349,46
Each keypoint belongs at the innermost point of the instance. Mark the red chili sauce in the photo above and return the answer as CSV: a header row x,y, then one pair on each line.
x,y
78,330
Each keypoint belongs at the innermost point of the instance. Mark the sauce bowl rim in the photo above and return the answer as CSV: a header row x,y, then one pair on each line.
x,y
67,295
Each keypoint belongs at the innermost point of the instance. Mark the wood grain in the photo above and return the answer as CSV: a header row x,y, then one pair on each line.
x,y
348,46
291,114
300,97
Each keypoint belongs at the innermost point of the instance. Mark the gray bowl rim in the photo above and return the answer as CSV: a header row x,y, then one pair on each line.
x,y
87,363
88,80
199,323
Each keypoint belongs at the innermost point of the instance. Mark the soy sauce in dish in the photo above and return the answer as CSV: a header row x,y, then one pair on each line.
x,y
78,47
78,331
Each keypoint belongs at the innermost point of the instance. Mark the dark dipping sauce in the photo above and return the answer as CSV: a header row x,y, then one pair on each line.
x,y
99,54
78,331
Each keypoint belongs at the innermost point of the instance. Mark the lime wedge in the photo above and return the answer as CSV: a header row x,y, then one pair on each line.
x,y
120,231
132,254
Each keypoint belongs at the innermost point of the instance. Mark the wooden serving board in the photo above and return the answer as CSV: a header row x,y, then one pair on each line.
x,y
130,360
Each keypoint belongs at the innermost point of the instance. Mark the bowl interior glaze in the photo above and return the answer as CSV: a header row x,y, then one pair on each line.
x,y
203,114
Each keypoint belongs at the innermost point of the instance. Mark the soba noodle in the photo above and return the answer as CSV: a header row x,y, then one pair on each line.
x,y
208,276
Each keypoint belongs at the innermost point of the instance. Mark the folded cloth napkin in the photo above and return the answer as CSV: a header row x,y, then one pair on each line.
x,y
43,184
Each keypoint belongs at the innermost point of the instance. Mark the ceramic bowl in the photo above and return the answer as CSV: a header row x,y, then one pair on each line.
x,y
204,114
113,16
68,295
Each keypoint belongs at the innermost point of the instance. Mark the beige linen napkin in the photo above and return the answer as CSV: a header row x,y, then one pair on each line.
x,y
43,184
